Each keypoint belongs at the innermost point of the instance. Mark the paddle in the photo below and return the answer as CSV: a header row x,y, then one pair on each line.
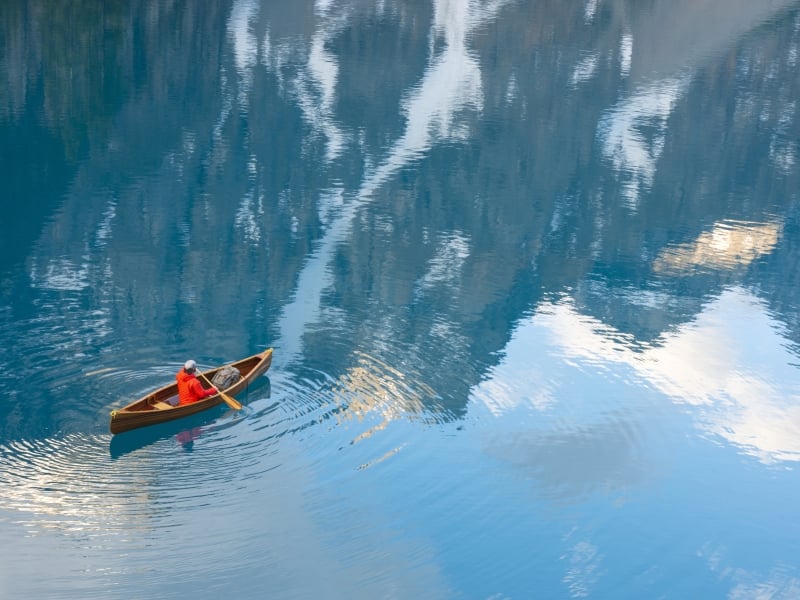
x,y
228,400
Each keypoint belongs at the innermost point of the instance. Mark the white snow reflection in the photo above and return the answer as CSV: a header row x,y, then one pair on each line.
x,y
681,35
60,274
245,45
434,108
633,134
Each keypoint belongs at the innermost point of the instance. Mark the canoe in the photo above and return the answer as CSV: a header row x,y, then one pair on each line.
x,y
156,407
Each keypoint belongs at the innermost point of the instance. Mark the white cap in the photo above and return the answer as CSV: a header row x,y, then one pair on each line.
x,y
189,365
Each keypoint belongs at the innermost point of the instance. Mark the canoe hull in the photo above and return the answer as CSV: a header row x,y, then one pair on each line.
x,y
154,408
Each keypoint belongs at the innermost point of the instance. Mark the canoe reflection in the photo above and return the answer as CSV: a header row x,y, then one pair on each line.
x,y
185,432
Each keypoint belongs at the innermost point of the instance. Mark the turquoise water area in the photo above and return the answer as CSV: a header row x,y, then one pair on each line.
x,y
528,270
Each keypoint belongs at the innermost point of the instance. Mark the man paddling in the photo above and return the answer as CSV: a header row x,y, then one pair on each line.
x,y
189,387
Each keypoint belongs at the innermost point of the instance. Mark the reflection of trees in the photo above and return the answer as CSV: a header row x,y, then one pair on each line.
x,y
72,69
547,216
400,64
188,141
76,53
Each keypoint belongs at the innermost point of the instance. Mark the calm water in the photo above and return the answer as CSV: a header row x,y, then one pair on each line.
x,y
530,270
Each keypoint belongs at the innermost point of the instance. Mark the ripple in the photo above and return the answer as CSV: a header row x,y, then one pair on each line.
x,y
60,476
370,387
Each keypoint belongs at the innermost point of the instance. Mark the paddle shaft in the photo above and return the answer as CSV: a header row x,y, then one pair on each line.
x,y
234,404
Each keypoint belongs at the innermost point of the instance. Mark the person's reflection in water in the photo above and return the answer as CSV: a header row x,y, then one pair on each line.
x,y
186,438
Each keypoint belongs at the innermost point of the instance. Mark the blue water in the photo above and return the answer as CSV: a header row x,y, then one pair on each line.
x,y
529,270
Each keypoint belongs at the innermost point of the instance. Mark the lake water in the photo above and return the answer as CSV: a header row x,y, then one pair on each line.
x,y
530,271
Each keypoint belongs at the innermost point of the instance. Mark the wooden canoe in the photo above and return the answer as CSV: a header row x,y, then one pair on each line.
x,y
155,407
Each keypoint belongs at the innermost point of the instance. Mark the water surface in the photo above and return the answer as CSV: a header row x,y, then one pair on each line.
x,y
528,269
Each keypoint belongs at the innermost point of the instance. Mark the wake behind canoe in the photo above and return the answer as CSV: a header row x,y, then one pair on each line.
x,y
156,407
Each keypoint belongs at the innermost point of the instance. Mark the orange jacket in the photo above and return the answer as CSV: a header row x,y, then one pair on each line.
x,y
189,388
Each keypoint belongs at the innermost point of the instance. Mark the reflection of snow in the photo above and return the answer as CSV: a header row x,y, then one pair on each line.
x,y
323,73
104,228
447,264
584,69
451,84
314,88
65,324
679,36
625,138
248,217
61,275
590,10
626,53
245,46
512,90
731,363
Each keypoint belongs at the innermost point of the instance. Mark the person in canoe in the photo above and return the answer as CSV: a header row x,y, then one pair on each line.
x,y
189,387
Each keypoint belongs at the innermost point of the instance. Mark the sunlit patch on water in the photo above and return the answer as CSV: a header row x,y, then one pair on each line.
x,y
372,386
727,245
360,405
59,477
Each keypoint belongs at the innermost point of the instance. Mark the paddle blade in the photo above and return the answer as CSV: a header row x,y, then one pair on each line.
x,y
234,404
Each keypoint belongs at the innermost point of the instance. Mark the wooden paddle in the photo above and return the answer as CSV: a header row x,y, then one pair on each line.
x,y
234,404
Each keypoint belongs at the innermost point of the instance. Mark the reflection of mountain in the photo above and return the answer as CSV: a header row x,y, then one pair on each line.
x,y
420,177
542,195
730,365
